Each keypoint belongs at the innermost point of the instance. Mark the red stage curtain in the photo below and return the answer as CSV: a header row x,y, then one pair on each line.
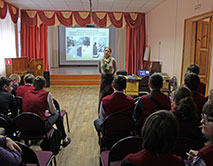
x,y
135,43
33,40
135,33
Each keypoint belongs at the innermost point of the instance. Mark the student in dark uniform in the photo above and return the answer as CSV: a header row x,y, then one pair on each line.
x,y
152,102
159,134
116,102
203,157
195,69
185,111
192,81
8,105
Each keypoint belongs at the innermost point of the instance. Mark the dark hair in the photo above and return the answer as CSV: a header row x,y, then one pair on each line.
x,y
39,82
119,82
208,108
187,109
180,93
109,49
194,69
156,81
4,81
192,81
159,132
29,78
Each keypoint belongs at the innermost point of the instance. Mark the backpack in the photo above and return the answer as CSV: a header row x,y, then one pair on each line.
x,y
52,143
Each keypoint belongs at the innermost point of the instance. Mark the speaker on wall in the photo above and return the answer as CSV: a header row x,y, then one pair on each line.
x,y
47,77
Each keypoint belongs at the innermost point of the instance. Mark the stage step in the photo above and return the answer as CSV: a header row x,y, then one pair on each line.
x,y
75,79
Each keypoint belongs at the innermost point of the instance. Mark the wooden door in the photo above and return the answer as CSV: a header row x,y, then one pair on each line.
x,y
202,52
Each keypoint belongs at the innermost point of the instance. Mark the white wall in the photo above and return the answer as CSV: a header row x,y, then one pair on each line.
x,y
165,32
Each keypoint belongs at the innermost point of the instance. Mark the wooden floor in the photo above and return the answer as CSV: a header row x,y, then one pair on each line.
x,y
81,103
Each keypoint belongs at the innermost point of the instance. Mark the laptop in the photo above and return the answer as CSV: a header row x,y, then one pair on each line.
x,y
143,73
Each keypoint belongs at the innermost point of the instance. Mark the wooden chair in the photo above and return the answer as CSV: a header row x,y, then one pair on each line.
x,y
115,127
39,158
120,150
30,126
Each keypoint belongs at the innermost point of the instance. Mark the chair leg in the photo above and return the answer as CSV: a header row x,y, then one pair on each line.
x,y
55,164
68,127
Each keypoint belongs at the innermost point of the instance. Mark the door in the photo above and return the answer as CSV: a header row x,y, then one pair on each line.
x,y
202,49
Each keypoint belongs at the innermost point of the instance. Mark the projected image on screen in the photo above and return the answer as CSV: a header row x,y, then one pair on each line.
x,y
86,43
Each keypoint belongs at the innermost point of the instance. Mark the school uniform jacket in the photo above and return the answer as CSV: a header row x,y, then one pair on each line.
x,y
22,89
35,101
145,158
118,102
206,154
141,112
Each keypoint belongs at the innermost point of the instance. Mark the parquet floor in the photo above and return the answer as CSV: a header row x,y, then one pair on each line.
x,y
81,103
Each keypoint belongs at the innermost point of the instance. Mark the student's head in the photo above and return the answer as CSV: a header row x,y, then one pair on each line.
x,y
193,69
210,95
159,132
207,120
39,83
29,78
6,84
156,81
15,77
185,104
192,81
180,93
119,83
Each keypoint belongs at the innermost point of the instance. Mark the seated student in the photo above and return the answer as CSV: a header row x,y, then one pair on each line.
x,y
192,81
203,157
184,109
10,152
28,85
159,134
15,82
152,102
116,102
195,69
8,105
38,100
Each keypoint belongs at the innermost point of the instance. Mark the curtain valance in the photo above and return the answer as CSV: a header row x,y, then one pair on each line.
x,y
71,18
14,12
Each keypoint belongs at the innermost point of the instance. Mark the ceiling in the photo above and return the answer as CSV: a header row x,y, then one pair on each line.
x,y
83,5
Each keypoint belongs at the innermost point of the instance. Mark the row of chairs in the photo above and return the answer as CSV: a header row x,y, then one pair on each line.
x,y
118,131
133,144
39,158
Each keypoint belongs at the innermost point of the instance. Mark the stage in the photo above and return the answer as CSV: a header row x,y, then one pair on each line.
x,y
75,75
